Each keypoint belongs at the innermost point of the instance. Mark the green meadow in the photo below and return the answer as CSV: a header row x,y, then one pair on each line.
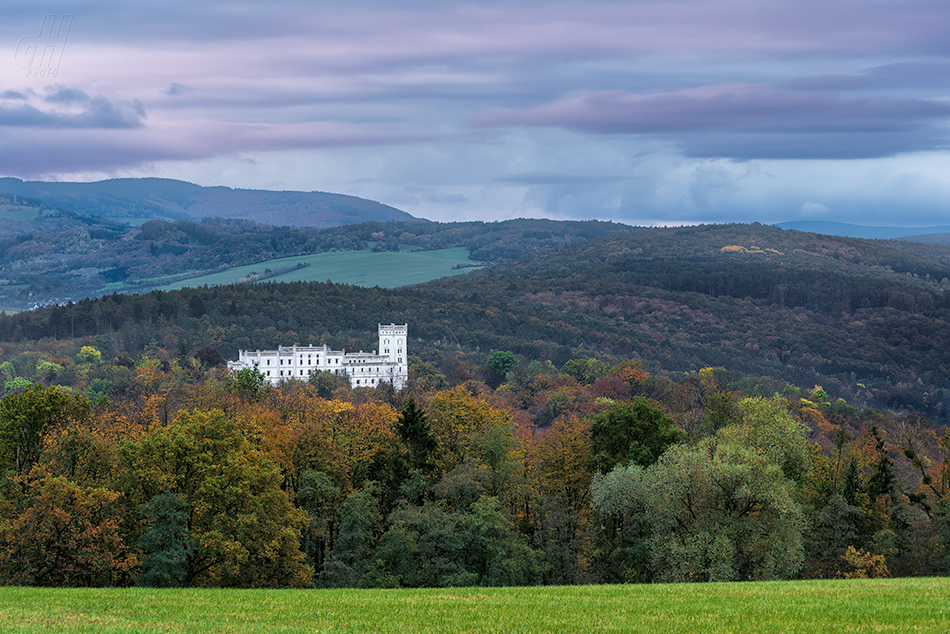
x,y
361,268
18,212
882,605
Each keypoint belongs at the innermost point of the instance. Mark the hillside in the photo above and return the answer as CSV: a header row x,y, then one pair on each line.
x,y
51,256
139,199
849,230
866,320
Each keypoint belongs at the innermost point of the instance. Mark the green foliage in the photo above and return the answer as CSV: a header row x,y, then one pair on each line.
x,y
89,354
766,426
636,433
586,371
25,419
318,497
16,384
249,383
167,545
722,510
244,529
413,428
433,546
351,561
497,367
327,383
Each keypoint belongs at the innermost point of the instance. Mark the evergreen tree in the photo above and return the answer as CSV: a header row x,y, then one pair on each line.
x,y
168,544
414,430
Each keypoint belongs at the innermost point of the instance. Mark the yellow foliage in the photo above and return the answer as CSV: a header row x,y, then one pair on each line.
x,y
863,565
457,418
735,248
816,419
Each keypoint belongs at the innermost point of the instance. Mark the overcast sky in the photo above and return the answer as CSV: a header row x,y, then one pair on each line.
x,y
640,111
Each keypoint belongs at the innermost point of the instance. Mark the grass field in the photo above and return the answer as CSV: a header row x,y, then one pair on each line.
x,y
18,212
362,268
887,605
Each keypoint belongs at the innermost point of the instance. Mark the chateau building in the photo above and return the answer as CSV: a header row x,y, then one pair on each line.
x,y
364,369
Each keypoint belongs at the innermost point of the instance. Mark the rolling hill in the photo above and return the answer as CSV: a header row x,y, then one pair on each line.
x,y
139,199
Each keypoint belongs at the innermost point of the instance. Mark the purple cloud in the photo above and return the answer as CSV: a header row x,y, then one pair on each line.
x,y
719,120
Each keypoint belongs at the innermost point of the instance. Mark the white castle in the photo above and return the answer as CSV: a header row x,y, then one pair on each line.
x,y
364,369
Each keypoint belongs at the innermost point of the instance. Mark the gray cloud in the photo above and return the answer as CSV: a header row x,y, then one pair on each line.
x,y
484,107
748,121
174,89
63,107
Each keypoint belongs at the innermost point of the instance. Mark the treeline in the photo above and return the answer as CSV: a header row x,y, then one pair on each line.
x,y
175,474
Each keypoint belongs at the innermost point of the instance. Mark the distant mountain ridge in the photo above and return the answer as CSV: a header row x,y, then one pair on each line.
x,y
167,199
847,230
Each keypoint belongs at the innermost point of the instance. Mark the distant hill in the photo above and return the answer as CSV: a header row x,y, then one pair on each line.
x,y
141,199
51,255
847,230
930,238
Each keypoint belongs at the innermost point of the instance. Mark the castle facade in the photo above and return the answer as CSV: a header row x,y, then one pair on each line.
x,y
364,369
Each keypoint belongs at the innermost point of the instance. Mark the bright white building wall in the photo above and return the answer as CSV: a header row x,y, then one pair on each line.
x,y
364,369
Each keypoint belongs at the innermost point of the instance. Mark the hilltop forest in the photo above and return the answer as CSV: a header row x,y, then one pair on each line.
x,y
693,404
47,255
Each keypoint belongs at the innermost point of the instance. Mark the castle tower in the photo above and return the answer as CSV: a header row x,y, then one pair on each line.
x,y
392,342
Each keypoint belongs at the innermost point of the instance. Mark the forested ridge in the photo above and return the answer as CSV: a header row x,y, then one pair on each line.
x,y
558,407
865,319
57,254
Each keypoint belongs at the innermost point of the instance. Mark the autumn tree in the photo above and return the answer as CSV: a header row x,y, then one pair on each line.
x,y
244,528
25,419
67,535
459,418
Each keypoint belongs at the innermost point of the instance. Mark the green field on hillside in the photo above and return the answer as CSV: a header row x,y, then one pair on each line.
x,y
18,212
884,605
362,268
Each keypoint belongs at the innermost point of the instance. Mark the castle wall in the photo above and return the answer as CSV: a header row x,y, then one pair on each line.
x,y
364,369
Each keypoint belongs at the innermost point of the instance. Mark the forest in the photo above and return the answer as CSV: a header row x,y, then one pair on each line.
x,y
711,403
866,319
51,255
165,471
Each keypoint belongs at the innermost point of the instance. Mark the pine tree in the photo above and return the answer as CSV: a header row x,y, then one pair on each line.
x,y
414,430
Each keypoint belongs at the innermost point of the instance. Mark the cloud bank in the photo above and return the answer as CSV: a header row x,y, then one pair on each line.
x,y
645,112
